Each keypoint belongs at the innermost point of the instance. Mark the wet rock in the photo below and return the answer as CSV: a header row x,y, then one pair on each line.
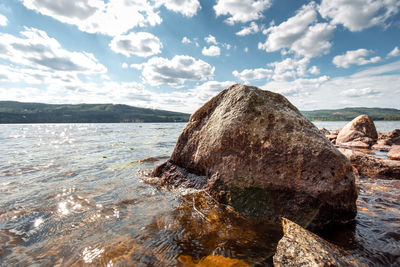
x,y
391,138
394,153
299,247
355,144
335,132
331,137
252,149
371,166
361,129
325,131
381,145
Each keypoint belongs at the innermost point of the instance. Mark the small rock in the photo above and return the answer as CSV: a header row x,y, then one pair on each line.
x,y
360,129
299,247
354,144
331,137
335,132
381,147
391,138
325,131
371,166
394,153
151,159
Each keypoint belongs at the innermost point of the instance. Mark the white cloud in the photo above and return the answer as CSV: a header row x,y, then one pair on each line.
x,y
360,14
379,84
141,44
192,99
299,88
354,57
289,69
112,18
251,29
315,41
37,50
211,51
252,74
301,34
187,8
178,70
210,39
136,66
314,70
3,20
394,53
246,49
364,92
125,65
241,10
186,40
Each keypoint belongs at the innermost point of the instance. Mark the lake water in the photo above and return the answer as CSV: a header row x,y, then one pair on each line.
x,y
78,194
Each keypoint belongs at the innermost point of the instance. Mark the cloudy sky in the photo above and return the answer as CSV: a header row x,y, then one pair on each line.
x,y
176,54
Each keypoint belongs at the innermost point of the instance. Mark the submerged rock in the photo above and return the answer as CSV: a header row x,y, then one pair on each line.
x,y
299,247
371,166
394,153
252,149
360,132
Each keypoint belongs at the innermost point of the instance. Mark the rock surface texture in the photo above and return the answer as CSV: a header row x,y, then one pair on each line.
x,y
299,247
360,132
252,149
394,153
371,166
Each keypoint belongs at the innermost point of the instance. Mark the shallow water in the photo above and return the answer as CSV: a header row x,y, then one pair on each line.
x,y
77,194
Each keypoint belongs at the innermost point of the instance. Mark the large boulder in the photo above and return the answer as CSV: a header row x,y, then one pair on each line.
x,y
252,149
360,132
299,247
372,166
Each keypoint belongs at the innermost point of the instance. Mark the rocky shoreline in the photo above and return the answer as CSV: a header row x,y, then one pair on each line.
x,y
254,151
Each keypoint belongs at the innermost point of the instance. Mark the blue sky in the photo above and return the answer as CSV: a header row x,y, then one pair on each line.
x,y
176,54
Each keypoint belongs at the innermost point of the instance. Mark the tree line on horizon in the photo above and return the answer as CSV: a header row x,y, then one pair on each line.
x,y
18,112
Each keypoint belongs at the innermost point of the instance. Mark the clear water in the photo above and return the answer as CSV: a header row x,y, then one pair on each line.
x,y
78,194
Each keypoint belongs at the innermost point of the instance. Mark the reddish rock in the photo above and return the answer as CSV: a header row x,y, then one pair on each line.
x,y
252,149
325,131
361,129
335,132
371,166
299,247
394,153
381,145
355,144
391,138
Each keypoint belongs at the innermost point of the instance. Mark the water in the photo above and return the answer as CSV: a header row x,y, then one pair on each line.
x,y
78,194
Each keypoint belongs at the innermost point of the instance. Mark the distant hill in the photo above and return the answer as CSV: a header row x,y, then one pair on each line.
x,y
347,114
17,112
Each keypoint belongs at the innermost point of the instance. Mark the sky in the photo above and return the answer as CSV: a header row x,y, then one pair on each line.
x,y
177,54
